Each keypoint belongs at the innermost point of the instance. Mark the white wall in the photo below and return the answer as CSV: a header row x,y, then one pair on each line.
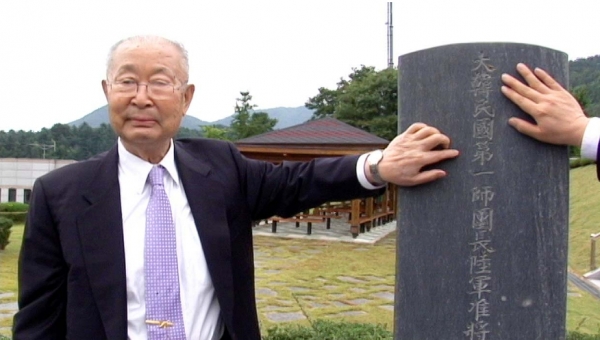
x,y
21,173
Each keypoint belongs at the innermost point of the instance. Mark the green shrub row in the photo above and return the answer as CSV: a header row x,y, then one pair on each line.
x,y
582,336
13,207
329,330
16,217
5,226
577,162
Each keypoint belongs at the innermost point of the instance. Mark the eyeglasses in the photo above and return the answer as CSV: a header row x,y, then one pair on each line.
x,y
158,89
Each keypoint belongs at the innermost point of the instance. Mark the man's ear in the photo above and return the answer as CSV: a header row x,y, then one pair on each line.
x,y
188,95
105,88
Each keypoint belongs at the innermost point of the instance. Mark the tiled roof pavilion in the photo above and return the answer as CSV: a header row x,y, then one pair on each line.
x,y
324,137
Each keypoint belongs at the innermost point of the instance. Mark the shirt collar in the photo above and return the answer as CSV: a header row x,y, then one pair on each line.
x,y
132,166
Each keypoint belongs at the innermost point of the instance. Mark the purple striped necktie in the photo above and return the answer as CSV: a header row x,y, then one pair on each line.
x,y
164,317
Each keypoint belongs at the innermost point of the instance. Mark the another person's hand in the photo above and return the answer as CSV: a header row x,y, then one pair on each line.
x,y
406,156
558,115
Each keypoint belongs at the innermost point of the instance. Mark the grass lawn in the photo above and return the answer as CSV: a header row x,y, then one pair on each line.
x,y
310,274
584,217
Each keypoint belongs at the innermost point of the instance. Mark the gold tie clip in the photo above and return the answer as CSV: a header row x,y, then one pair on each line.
x,y
160,324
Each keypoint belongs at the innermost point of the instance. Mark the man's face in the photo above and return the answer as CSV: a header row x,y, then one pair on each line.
x,y
151,116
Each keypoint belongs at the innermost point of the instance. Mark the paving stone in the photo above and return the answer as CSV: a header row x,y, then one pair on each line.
x,y
285,302
271,308
374,278
320,279
359,301
316,305
278,317
358,290
384,295
350,279
7,316
337,296
387,307
299,289
349,313
384,287
574,294
308,297
362,249
330,287
7,295
11,306
266,291
277,283
271,271
340,304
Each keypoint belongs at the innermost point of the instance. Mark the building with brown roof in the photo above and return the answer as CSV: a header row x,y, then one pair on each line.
x,y
326,137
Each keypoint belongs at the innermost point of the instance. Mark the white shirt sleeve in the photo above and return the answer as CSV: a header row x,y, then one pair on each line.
x,y
591,136
362,177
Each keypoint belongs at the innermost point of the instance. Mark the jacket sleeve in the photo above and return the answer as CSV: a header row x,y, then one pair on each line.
x,y
42,273
290,187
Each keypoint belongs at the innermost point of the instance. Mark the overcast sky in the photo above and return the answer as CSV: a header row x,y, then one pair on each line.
x,y
53,53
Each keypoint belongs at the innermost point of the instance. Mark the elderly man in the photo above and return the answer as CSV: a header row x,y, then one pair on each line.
x,y
153,239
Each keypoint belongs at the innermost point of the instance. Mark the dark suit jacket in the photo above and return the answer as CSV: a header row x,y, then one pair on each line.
x,y
72,263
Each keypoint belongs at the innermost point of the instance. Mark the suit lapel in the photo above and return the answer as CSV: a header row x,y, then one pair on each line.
x,y
204,195
100,229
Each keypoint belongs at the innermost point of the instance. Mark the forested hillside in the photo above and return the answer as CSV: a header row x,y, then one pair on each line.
x,y
584,78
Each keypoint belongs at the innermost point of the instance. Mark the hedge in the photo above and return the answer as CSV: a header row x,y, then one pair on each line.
x,y
329,330
13,207
5,226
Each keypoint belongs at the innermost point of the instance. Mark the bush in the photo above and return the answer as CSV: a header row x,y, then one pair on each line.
x,y
329,330
582,336
5,225
14,207
577,162
16,217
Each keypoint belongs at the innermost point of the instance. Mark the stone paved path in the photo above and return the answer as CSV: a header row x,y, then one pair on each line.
x,y
338,297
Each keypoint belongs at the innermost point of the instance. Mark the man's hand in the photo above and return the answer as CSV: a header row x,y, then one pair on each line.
x,y
404,158
559,117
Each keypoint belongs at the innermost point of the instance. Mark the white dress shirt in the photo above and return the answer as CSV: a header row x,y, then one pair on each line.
x,y
591,136
201,311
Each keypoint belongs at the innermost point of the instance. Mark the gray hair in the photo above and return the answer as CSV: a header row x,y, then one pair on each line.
x,y
185,66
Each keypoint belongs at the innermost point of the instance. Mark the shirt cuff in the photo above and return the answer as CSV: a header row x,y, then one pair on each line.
x,y
591,136
362,177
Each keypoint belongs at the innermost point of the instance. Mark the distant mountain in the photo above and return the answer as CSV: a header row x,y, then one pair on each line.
x,y
286,117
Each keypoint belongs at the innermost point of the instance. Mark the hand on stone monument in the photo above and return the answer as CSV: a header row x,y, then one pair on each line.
x,y
417,147
558,115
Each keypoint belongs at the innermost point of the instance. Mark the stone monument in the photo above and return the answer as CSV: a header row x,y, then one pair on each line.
x,y
482,253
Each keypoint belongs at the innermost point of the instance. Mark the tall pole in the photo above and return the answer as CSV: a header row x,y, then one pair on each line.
x,y
390,36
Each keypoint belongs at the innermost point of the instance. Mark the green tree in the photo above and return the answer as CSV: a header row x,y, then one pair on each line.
x,y
367,100
216,132
248,123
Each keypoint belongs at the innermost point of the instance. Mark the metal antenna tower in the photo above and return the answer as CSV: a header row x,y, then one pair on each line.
x,y
390,36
